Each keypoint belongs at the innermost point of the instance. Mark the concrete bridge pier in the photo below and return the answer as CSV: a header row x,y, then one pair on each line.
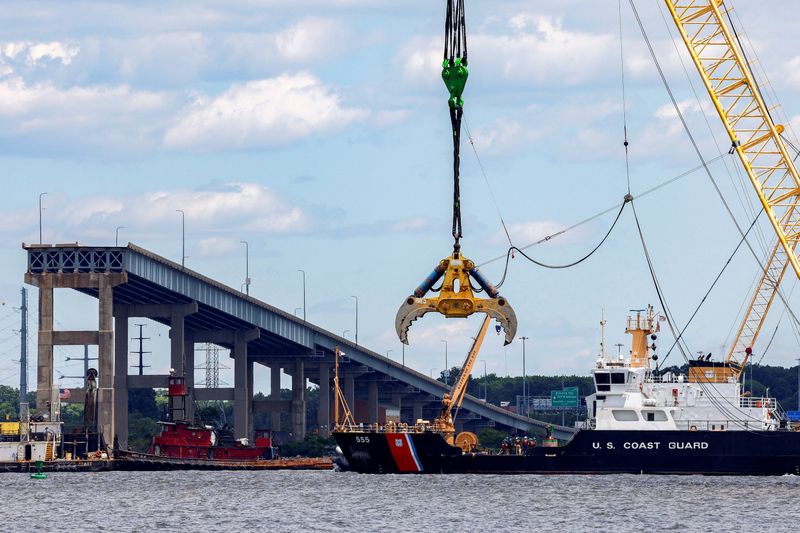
x,y
350,390
103,338
275,395
243,388
372,402
298,401
121,374
323,412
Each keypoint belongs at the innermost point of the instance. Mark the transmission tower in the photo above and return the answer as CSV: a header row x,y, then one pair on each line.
x,y
212,366
23,357
141,352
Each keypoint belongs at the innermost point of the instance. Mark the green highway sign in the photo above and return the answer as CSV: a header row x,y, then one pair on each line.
x,y
567,397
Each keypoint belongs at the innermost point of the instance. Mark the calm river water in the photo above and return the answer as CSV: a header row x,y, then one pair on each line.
x,y
328,501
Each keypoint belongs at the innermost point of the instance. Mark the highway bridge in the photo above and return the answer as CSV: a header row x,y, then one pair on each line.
x,y
131,282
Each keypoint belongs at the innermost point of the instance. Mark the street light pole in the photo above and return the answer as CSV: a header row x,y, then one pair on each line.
x,y
246,266
404,354
304,292
387,353
183,236
356,297
116,235
524,387
485,383
344,333
446,366
40,215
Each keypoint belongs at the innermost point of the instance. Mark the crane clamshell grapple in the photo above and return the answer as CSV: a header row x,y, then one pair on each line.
x,y
456,298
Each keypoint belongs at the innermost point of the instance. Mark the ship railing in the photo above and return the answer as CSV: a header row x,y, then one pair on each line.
x,y
671,378
399,427
749,402
720,425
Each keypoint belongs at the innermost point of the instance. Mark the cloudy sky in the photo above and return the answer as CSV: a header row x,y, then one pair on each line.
x,y
317,130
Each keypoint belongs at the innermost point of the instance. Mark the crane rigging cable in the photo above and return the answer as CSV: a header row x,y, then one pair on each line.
x,y
714,397
705,166
454,74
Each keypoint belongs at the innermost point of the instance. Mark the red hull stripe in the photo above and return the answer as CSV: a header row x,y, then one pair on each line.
x,y
403,452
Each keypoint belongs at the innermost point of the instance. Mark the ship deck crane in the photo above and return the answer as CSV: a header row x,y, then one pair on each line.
x,y
756,140
452,400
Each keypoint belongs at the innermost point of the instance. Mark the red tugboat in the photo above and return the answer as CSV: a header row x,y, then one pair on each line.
x,y
183,440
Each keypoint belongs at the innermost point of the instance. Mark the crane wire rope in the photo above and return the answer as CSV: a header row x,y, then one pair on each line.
x,y
454,65
743,186
713,284
488,185
599,214
700,155
715,400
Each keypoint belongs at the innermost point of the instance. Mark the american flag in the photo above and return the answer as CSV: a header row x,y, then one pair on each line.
x,y
64,394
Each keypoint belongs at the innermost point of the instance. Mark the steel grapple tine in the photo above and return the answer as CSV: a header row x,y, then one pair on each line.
x,y
412,309
500,310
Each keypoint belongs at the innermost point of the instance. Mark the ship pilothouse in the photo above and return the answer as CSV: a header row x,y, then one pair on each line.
x,y
630,395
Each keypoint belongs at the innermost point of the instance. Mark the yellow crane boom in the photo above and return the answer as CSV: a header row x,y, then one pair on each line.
x,y
453,399
756,140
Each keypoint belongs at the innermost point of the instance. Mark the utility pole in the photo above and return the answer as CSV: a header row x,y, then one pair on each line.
x,y
85,360
140,352
23,357
524,386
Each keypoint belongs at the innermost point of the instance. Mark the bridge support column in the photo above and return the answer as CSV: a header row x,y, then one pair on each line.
x,y
188,350
242,394
372,402
298,402
323,412
250,428
44,372
177,357
121,375
417,410
275,394
105,359
350,392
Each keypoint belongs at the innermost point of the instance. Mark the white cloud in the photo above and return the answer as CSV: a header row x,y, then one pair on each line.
x,y
249,206
530,48
235,208
262,113
310,39
42,117
34,52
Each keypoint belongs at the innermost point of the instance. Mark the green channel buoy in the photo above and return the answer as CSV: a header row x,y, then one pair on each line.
x,y
39,474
